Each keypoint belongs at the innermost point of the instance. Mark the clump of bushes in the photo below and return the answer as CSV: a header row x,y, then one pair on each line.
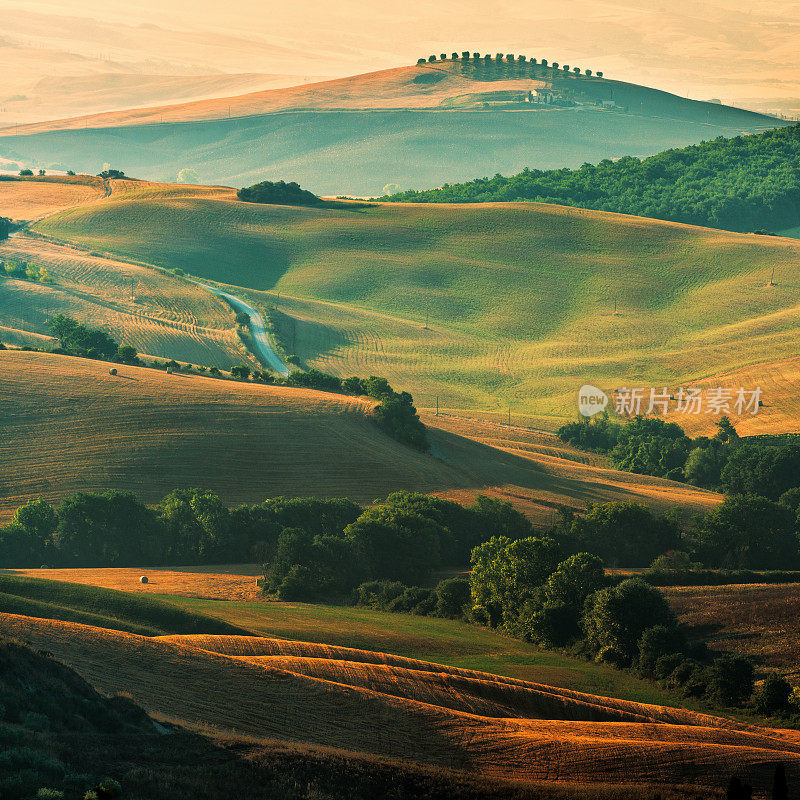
x,y
79,340
278,193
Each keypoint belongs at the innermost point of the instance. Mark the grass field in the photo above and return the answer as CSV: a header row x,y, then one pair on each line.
x,y
519,298
389,706
71,426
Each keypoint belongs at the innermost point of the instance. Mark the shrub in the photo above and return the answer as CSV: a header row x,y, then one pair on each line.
x,y
279,193
378,594
241,372
772,697
452,598
127,354
414,599
314,379
656,643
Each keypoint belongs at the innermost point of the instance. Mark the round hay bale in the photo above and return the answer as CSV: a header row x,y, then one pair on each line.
x,y
112,371
44,566
169,370
143,579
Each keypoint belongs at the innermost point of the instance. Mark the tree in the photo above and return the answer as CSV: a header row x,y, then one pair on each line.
x,y
772,697
507,573
5,227
623,533
556,621
658,642
26,173
240,371
615,619
704,465
278,193
731,679
188,176
452,598
763,470
196,524
77,339
110,529
242,318
501,518
127,354
395,544
749,532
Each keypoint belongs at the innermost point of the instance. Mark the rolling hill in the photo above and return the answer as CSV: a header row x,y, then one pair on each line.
x,y
385,705
71,426
484,307
450,120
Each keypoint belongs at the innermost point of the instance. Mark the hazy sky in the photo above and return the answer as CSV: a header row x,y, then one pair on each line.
x,y
741,52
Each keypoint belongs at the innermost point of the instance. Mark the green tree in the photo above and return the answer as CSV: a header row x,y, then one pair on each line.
x,y
554,617
240,371
396,544
731,679
623,533
507,573
615,619
772,697
749,532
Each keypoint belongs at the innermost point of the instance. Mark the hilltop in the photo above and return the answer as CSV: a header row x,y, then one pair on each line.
x,y
451,118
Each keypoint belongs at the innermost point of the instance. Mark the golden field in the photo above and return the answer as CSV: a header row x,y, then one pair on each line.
x,y
71,426
389,706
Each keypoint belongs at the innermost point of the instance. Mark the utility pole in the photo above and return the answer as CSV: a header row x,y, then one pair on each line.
x,y
772,277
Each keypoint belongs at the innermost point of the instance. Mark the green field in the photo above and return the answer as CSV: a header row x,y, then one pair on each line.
x,y
519,298
442,641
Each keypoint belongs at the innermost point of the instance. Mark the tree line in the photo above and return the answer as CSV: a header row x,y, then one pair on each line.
x,y
311,547
756,527
534,67
746,183
531,589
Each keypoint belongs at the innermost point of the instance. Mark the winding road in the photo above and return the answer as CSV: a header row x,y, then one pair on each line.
x,y
257,327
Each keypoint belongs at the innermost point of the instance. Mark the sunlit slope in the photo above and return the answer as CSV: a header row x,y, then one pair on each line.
x,y
416,126
441,85
156,312
519,298
388,706
27,200
71,426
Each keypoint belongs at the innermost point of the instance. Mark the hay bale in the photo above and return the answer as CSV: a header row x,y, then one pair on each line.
x,y
112,371
143,579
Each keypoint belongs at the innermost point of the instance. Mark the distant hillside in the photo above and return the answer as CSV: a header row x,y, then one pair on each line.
x,y
413,126
519,297
739,184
